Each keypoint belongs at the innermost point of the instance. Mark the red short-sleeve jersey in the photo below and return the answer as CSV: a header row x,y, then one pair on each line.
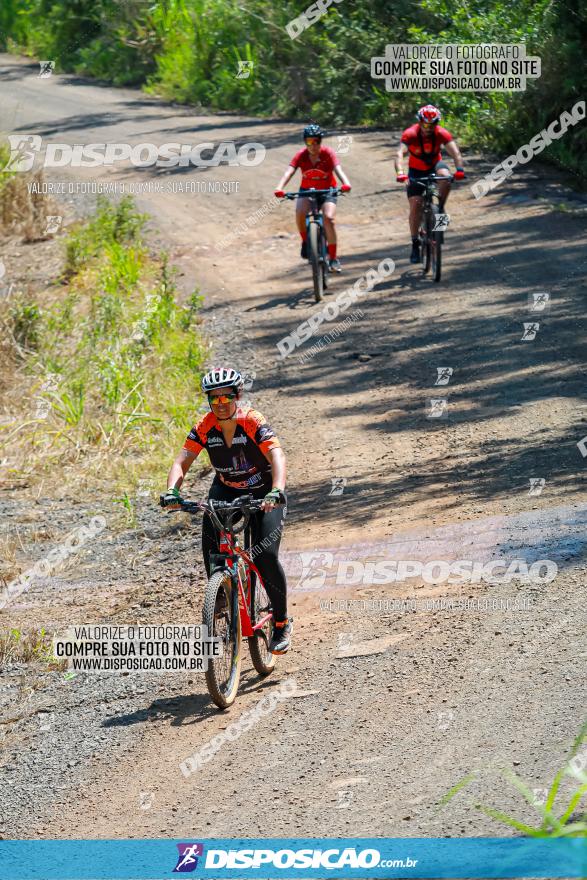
x,y
425,147
320,174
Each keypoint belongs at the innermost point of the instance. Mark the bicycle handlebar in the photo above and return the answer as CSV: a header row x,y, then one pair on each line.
x,y
302,194
246,505
429,177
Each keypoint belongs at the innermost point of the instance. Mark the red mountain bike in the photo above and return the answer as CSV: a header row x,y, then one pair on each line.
x,y
235,603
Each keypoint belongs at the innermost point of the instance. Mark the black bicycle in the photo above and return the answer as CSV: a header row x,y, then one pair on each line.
x,y
236,603
316,237
434,222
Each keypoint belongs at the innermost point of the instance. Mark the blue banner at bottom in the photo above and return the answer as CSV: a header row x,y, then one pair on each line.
x,y
290,858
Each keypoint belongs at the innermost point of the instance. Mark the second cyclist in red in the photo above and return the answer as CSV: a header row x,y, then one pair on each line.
x,y
423,142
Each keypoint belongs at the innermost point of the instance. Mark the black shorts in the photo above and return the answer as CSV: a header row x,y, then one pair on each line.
x,y
415,173
325,197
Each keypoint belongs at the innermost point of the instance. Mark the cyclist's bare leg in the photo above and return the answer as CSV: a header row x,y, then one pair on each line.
x,y
416,207
302,207
329,212
443,185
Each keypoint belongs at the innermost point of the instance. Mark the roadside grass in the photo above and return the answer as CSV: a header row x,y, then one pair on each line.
x,y
128,506
24,208
108,370
29,646
558,820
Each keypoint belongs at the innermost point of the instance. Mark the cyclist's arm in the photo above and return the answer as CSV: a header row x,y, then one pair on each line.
x,y
454,152
278,467
399,158
341,175
286,177
179,468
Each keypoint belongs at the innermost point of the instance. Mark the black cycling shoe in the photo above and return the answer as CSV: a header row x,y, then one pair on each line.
x,y
304,250
334,265
281,636
415,255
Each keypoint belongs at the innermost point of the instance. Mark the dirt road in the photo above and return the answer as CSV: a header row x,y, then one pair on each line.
x,y
393,708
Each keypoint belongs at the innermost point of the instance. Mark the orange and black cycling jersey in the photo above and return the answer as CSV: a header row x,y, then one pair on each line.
x,y
242,465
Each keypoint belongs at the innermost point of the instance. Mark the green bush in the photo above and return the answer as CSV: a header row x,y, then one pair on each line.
x,y
188,51
25,316
123,355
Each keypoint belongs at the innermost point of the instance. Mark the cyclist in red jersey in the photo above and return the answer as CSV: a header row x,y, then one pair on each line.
x,y
318,165
423,142
248,459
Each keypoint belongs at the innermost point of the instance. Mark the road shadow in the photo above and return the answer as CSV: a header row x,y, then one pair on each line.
x,y
505,356
179,711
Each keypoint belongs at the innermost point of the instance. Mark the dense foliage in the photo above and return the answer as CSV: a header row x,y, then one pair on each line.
x,y
189,50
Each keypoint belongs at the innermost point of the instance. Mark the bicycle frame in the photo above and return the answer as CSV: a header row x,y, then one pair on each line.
x,y
230,553
314,213
429,185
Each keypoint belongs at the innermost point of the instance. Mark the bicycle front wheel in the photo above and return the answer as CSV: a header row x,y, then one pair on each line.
x,y
263,659
221,617
317,276
426,237
324,261
436,249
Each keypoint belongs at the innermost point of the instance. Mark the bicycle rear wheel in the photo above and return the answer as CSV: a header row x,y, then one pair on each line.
x,y
317,276
221,617
263,659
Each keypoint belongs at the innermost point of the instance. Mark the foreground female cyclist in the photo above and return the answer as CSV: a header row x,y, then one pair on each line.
x,y
248,460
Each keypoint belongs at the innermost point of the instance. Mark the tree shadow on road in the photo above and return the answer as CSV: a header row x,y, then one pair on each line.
x,y
390,358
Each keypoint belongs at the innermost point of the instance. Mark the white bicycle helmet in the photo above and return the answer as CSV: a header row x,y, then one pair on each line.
x,y
222,377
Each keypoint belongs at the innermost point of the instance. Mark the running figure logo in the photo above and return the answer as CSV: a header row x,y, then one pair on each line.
x,y
437,408
441,222
248,379
187,860
53,223
315,565
47,68
338,484
444,374
539,301
536,485
343,146
244,69
530,330
23,151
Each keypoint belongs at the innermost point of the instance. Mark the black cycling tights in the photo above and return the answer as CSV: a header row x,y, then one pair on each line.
x,y
266,530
